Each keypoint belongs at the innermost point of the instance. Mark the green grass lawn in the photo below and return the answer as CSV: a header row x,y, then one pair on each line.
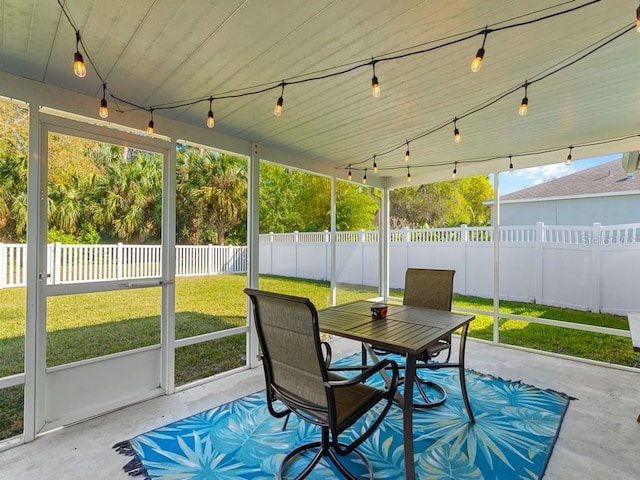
x,y
91,325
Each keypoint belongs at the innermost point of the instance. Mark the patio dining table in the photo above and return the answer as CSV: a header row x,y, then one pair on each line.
x,y
409,331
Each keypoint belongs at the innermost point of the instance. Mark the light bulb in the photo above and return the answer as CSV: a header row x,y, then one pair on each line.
x,y
349,177
524,106
456,135
210,120
569,157
78,65
103,112
375,167
364,179
150,127
455,171
408,176
638,19
375,87
510,165
476,64
407,156
277,111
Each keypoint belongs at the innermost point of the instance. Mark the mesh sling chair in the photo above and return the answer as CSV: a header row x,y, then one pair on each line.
x,y
428,288
297,374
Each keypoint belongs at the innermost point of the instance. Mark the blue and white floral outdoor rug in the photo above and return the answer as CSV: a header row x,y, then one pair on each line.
x,y
515,431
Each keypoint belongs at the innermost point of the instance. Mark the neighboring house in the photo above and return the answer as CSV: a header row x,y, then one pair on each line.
x,y
606,194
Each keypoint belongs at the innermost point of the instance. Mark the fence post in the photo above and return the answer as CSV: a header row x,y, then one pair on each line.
x,y
406,238
3,266
295,254
596,269
271,234
209,259
327,254
57,264
119,260
464,237
538,263
230,261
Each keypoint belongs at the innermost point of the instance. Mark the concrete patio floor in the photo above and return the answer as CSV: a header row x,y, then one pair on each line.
x,y
599,439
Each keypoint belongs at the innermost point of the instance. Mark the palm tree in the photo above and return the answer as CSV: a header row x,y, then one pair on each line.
x,y
212,190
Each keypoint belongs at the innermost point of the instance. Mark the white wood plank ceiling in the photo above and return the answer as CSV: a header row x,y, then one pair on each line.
x,y
162,52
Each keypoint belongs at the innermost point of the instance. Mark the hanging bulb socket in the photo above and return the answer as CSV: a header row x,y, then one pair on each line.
x,y
349,176
79,67
408,175
210,120
103,111
524,105
456,133
407,154
455,171
375,165
364,179
569,157
375,84
277,110
510,165
150,124
476,64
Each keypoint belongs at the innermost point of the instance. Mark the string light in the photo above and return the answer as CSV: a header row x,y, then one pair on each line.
x,y
150,124
375,85
524,105
375,165
210,120
408,175
103,111
455,170
510,165
476,64
349,176
569,157
638,19
78,63
456,133
364,179
277,110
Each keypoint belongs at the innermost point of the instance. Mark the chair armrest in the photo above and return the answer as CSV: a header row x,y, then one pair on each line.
x,y
368,372
327,353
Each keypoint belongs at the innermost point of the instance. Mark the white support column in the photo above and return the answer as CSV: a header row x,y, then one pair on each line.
x,y
332,244
168,252
496,257
383,287
253,248
35,337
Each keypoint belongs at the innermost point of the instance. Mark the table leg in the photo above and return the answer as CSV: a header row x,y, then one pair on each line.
x,y
463,382
407,416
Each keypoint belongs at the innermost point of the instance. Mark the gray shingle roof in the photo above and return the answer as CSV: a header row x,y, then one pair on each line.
x,y
606,178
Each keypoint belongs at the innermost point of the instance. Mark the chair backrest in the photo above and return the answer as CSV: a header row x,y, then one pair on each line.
x,y
428,288
290,340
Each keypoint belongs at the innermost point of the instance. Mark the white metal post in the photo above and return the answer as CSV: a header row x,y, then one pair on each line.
x,y
383,244
253,248
332,245
168,252
496,257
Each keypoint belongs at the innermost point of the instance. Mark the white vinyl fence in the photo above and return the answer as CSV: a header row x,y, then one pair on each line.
x,y
94,263
591,268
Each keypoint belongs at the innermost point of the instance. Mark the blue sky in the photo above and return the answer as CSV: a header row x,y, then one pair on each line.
x,y
528,177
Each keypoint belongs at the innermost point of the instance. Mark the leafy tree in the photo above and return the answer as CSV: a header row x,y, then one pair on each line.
x,y
211,195
442,204
127,200
14,124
